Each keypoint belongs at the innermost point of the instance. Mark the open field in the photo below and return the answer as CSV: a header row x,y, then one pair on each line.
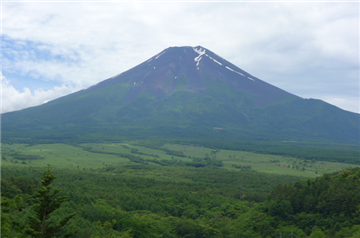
x,y
57,155
264,162
96,155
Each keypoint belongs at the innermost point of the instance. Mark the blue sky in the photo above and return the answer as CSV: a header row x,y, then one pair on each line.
x,y
51,49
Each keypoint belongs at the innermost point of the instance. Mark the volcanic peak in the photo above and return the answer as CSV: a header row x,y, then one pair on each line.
x,y
200,53
184,92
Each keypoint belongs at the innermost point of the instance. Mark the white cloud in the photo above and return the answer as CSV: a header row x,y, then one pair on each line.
x,y
12,99
347,103
291,45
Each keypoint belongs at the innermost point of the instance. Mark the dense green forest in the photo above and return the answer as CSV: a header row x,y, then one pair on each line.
x,y
166,201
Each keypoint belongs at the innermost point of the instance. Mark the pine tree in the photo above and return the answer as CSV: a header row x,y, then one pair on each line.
x,y
40,226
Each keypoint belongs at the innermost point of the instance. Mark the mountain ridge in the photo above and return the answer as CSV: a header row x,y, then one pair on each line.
x,y
186,92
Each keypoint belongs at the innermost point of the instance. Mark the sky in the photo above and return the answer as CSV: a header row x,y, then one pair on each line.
x,y
51,49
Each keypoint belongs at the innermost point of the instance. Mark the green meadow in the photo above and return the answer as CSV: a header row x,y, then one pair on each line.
x,y
56,155
264,162
98,155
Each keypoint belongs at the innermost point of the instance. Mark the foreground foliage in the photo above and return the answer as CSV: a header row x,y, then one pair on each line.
x,y
155,201
330,203
39,224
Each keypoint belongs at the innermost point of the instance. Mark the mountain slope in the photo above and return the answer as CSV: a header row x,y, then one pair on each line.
x,y
184,92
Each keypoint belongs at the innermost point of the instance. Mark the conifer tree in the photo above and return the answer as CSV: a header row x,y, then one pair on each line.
x,y
40,226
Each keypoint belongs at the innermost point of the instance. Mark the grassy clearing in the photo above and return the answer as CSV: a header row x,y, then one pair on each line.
x,y
275,164
93,156
58,155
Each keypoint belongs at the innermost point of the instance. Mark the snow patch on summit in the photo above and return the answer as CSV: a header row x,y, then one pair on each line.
x,y
159,55
234,71
239,73
197,59
213,59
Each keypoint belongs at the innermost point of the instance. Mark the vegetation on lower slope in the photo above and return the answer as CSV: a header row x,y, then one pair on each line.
x,y
165,201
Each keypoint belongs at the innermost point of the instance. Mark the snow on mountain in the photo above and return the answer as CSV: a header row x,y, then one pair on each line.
x,y
201,52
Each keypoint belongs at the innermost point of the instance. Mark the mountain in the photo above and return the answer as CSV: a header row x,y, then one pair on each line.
x,y
183,93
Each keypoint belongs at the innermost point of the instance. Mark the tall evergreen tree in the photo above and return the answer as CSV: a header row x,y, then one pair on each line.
x,y
40,226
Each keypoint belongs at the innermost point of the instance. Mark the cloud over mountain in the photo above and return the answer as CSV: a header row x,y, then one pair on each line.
x,y
309,49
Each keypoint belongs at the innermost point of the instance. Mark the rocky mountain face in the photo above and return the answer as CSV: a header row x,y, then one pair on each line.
x,y
184,93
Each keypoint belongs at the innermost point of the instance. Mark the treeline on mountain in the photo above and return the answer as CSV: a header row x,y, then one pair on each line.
x,y
164,201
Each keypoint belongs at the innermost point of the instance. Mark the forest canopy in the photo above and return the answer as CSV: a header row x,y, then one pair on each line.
x,y
155,201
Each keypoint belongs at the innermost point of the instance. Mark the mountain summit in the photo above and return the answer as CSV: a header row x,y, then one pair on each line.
x,y
195,70
183,93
